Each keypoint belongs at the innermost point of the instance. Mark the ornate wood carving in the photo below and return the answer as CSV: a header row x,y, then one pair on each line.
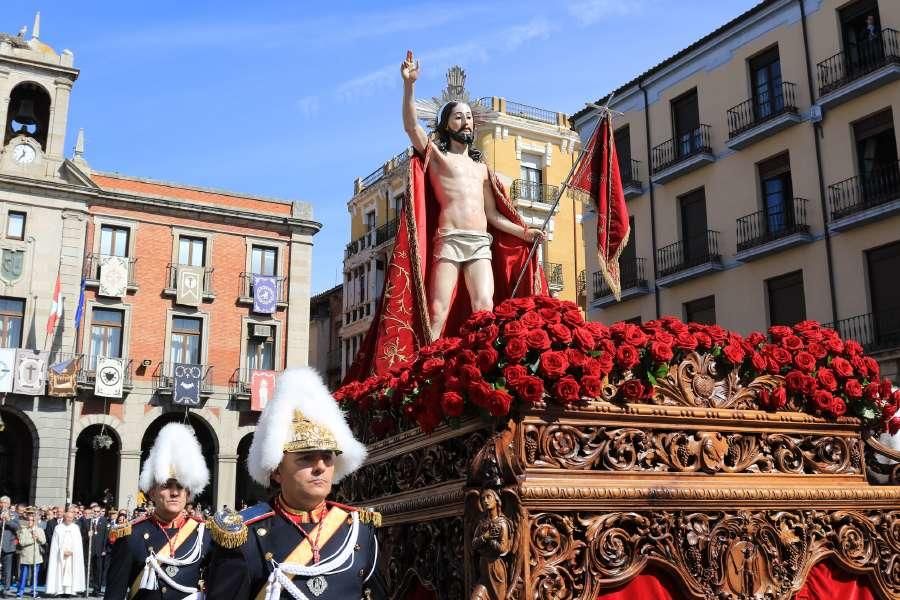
x,y
431,551
882,463
727,555
601,448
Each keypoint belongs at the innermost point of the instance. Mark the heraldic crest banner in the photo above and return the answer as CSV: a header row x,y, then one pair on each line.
x,y
113,276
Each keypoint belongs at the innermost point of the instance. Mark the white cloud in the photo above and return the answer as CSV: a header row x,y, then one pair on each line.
x,y
588,12
308,105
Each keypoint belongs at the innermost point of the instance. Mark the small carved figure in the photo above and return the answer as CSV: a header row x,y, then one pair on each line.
x,y
492,542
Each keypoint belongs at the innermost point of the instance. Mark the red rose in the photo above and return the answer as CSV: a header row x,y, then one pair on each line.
x,y
499,403
591,368
755,339
487,334
842,367
632,390
634,335
791,343
576,357
826,379
822,399
530,389
872,367
794,381
452,383
627,356
531,320
808,386
852,348
664,338
553,364
805,361
583,338
834,344
487,359
567,390
480,393
599,330
469,373
522,303
550,315
560,333
515,349
573,318
886,388
704,342
514,374
717,333
838,407
452,404
514,329
733,353
779,331
888,412
818,350
661,352
781,356
537,339
773,400
467,357
686,341
758,361
605,363
432,365
506,310
591,386
853,388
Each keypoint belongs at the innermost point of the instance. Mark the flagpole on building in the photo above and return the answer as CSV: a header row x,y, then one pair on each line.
x,y
605,112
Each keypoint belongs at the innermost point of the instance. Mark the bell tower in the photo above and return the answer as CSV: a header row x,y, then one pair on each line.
x,y
35,85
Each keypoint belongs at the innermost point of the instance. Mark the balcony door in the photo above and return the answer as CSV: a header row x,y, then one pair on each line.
x,y
876,155
693,227
768,93
686,124
622,137
532,178
884,264
777,193
106,335
861,34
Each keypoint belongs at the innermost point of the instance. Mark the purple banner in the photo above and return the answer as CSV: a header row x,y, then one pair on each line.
x,y
265,294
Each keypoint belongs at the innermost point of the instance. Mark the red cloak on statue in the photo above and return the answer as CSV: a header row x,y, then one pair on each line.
x,y
401,324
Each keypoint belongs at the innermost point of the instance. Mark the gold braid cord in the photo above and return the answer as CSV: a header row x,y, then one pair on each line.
x,y
227,528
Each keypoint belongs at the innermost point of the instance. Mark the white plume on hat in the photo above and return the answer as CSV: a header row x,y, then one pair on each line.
x,y
300,389
176,454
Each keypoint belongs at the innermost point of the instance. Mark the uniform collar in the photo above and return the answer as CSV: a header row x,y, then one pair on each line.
x,y
176,523
300,516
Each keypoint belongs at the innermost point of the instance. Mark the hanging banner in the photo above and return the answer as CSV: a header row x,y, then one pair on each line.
x,y
186,389
109,377
7,366
113,276
189,285
30,372
62,378
262,388
265,294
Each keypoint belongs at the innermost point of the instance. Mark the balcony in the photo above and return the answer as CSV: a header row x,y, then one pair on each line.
x,y
164,379
172,280
246,297
762,233
678,156
378,174
387,232
877,332
859,68
239,386
865,198
366,240
631,181
762,116
523,111
554,273
581,283
86,376
530,191
91,272
357,312
688,259
634,283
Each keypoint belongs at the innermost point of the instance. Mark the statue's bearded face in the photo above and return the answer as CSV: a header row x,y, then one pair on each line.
x,y
458,122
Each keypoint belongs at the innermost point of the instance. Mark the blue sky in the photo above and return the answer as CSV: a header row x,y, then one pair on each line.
x,y
295,99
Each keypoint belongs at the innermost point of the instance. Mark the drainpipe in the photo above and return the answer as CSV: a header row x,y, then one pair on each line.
x,y
652,197
817,132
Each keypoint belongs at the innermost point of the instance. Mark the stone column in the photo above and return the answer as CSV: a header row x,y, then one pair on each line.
x,y
129,473
227,467
59,113
4,101
298,303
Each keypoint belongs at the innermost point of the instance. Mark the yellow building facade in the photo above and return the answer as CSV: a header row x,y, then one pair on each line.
x,y
773,189
530,149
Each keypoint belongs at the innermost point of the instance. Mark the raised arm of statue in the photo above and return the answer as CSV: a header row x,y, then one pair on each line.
x,y
409,70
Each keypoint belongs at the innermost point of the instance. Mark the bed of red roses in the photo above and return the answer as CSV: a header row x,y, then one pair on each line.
x,y
540,349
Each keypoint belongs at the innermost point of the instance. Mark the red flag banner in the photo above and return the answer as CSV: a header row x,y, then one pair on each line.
x,y
598,177
262,387
56,309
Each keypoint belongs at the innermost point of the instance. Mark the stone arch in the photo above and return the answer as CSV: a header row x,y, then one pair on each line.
x,y
18,458
246,490
97,469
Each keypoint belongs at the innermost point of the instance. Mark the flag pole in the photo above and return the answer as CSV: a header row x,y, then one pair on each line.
x,y
604,112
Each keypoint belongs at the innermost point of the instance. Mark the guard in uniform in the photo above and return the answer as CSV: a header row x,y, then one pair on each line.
x,y
162,555
298,545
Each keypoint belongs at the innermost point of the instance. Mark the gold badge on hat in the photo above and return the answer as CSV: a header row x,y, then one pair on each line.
x,y
308,436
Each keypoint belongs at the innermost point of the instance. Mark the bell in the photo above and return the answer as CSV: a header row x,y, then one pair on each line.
x,y
25,113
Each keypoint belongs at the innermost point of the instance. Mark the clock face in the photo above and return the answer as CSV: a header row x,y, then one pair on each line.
x,y
24,154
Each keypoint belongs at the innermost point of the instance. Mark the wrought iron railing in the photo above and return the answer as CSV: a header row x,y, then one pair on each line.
x,y
762,107
697,250
240,380
376,175
536,192
386,232
281,287
632,276
91,270
862,192
766,225
875,331
581,283
172,277
554,273
857,60
531,113
164,378
86,374
691,143
630,172
359,244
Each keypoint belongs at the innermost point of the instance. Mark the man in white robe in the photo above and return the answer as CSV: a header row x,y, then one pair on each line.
x,y
65,563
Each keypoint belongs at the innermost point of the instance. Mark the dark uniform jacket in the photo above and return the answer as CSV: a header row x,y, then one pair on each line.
x,y
130,551
242,572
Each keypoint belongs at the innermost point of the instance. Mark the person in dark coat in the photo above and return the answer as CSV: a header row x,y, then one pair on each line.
x,y
9,527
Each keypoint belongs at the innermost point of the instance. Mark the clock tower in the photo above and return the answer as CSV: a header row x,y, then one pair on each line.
x,y
35,84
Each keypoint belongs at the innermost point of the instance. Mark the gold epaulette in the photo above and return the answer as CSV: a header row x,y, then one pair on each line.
x,y
119,531
227,528
370,517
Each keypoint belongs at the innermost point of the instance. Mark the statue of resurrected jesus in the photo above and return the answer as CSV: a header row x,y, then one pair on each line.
x,y
463,190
